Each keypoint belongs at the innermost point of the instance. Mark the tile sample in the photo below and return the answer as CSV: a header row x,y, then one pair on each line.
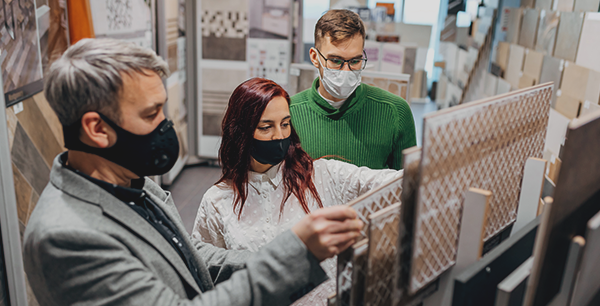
x,y
581,83
527,37
383,250
491,84
29,161
543,4
12,121
392,58
498,135
410,57
217,86
397,87
503,87
224,29
502,52
526,81
50,117
587,107
552,69
568,106
567,36
532,67
565,5
23,194
586,5
589,44
38,130
373,52
512,20
546,35
515,65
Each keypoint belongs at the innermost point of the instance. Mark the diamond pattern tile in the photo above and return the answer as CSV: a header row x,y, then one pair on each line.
x,y
383,249
482,144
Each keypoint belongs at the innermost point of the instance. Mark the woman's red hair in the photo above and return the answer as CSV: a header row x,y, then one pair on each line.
x,y
246,105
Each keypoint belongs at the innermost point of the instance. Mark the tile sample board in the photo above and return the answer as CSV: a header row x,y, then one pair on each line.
x,y
543,4
567,36
576,199
589,44
567,105
586,5
565,5
546,35
512,17
527,37
217,86
383,250
502,52
359,272
392,57
498,135
552,69
224,29
581,83
515,65
532,67
503,87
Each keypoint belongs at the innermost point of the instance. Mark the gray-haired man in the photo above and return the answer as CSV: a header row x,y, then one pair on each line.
x,y
102,234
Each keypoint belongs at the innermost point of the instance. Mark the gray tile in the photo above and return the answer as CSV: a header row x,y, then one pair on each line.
x,y
586,5
29,161
223,48
552,72
410,56
529,28
567,36
546,36
543,4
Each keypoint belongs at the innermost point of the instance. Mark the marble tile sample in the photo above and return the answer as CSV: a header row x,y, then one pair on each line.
x,y
498,134
565,5
36,126
29,161
586,5
546,35
532,67
51,117
567,36
514,68
23,193
552,69
589,44
527,37
581,83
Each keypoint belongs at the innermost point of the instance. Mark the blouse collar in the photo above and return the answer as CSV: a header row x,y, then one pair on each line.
x,y
272,176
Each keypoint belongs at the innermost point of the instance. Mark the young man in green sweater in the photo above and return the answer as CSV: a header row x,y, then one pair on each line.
x,y
340,117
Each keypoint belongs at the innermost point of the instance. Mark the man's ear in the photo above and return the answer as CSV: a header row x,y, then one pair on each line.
x,y
313,57
95,132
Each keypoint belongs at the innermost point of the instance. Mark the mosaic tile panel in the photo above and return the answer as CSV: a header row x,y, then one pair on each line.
x,y
397,87
383,249
483,144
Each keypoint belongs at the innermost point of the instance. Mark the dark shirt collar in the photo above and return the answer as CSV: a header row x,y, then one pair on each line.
x,y
124,194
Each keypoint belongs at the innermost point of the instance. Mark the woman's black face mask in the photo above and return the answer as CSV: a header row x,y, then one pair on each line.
x,y
270,152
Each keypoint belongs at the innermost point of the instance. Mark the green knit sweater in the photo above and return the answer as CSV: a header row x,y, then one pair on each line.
x,y
371,128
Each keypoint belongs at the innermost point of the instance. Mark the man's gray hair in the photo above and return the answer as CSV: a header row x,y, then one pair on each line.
x,y
89,77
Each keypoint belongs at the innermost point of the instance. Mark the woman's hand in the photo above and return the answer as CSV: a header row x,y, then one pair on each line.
x,y
329,231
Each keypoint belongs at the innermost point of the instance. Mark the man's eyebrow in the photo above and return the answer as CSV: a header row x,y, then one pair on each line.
x,y
154,106
337,56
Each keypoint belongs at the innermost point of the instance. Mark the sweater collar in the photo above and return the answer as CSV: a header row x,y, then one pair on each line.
x,y
323,107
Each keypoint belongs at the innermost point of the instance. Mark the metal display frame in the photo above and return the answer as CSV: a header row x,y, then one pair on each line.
x,y
9,221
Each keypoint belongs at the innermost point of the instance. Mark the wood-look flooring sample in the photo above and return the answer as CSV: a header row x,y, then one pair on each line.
x,y
466,146
567,36
528,35
50,117
546,36
532,67
586,5
581,83
383,250
11,121
552,69
589,43
515,65
36,126
29,160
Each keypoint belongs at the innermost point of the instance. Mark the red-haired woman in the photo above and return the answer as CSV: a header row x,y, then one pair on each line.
x,y
269,183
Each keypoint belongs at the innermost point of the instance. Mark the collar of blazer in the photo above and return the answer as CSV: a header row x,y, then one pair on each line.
x,y
78,187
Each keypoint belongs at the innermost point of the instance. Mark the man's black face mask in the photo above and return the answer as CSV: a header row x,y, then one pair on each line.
x,y
151,154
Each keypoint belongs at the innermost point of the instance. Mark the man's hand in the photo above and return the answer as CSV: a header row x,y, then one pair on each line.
x,y
329,231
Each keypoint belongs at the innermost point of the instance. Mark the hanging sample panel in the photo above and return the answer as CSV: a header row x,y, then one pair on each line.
x,y
589,44
383,250
552,69
567,36
531,18
497,135
52,31
19,51
224,29
546,35
126,20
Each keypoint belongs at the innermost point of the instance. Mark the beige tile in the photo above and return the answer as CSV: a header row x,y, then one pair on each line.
x,y
527,37
532,66
528,3
567,36
526,81
12,125
23,193
589,43
564,5
568,106
581,83
502,54
515,65
51,117
37,128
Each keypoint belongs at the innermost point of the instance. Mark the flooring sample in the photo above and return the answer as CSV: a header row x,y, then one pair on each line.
x,y
565,5
546,35
33,122
586,5
567,36
581,83
12,121
418,86
373,52
526,81
365,205
568,106
589,44
557,129
224,30
527,37
23,194
532,67
498,135
552,69
29,161
502,52
383,250
301,78
515,65
50,117
359,272
543,4
576,199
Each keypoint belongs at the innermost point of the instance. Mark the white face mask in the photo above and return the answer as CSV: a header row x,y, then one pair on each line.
x,y
339,83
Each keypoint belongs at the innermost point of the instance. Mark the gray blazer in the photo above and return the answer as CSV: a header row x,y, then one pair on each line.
x,y
83,246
